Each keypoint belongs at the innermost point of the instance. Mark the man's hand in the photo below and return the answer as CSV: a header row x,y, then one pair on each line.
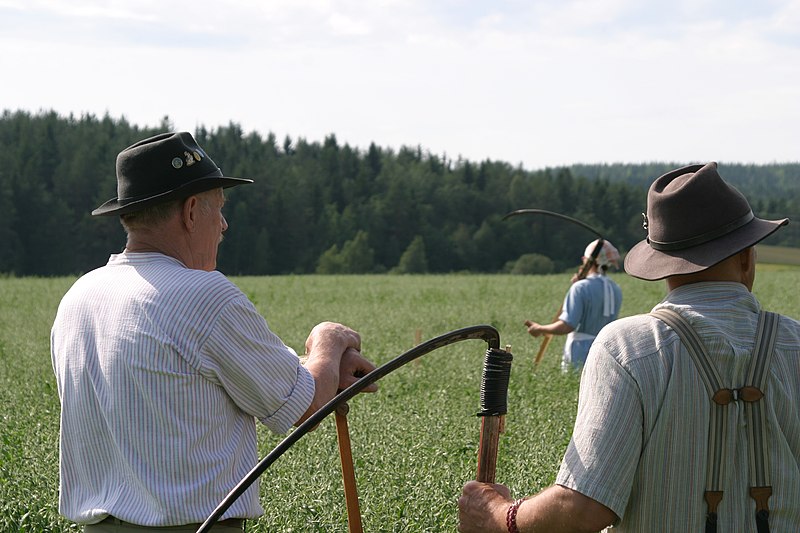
x,y
482,508
332,337
354,366
333,359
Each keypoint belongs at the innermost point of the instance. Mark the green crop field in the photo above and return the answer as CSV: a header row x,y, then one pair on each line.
x,y
779,255
414,442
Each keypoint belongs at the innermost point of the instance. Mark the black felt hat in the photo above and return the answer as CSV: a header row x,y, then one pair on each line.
x,y
162,168
694,220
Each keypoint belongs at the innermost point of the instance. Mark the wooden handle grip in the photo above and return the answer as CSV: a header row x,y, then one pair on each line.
x,y
348,472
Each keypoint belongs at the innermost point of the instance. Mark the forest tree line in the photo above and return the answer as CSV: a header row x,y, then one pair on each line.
x,y
324,207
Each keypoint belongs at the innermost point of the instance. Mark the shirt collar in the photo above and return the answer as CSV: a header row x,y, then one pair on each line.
x,y
713,295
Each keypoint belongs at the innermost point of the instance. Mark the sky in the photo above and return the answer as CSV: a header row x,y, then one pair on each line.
x,y
535,83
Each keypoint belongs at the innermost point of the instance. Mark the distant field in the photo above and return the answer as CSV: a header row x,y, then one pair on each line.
x,y
414,442
778,255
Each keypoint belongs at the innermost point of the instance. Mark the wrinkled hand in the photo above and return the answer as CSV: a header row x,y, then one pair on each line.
x,y
354,366
482,507
534,329
332,337
333,360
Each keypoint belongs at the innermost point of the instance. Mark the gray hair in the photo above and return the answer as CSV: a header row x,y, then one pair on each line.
x,y
150,217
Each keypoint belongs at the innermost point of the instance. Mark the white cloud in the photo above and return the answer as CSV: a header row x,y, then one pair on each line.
x,y
543,83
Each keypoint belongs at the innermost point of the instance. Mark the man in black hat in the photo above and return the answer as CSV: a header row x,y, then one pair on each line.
x,y
163,365
687,416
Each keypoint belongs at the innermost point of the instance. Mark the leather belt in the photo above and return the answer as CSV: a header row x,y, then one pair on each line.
x,y
228,522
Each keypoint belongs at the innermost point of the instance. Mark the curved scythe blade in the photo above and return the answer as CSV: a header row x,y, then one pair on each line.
x,y
487,333
552,214
581,273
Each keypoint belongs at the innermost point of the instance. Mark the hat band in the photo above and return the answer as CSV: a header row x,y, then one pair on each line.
x,y
701,239
123,201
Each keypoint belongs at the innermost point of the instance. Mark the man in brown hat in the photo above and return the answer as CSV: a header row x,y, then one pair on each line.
x,y
688,416
163,365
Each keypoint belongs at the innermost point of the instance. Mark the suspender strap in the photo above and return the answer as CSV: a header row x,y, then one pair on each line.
x,y
754,410
756,413
717,463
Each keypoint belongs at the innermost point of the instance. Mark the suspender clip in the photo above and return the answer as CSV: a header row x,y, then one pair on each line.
x,y
746,394
761,496
713,497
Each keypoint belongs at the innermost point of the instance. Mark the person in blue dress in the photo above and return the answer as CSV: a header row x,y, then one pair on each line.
x,y
590,304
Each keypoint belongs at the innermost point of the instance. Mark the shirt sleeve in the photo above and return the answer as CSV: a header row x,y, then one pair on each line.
x,y
258,371
572,311
601,458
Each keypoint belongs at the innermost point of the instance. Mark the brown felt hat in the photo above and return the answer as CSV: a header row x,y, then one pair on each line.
x,y
162,168
694,220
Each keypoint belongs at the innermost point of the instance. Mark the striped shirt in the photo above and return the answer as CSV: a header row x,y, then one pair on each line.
x,y
639,445
162,371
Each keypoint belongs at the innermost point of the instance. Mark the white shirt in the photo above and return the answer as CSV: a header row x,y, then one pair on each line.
x,y
162,371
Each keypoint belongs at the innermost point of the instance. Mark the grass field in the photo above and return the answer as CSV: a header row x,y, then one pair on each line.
x,y
779,256
414,442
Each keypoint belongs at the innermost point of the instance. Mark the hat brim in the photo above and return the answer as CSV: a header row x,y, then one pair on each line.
x,y
113,207
644,262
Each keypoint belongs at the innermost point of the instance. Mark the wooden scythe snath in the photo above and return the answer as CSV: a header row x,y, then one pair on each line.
x,y
493,399
348,471
582,272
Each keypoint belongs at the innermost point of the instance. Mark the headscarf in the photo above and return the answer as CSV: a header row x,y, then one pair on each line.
x,y
608,254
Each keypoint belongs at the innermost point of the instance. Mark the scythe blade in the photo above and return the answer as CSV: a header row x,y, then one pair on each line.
x,y
552,214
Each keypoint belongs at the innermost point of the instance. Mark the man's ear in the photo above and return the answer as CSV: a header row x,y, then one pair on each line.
x,y
747,257
189,213
747,262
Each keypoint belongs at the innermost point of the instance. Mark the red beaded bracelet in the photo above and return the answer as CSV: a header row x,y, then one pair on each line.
x,y
511,516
